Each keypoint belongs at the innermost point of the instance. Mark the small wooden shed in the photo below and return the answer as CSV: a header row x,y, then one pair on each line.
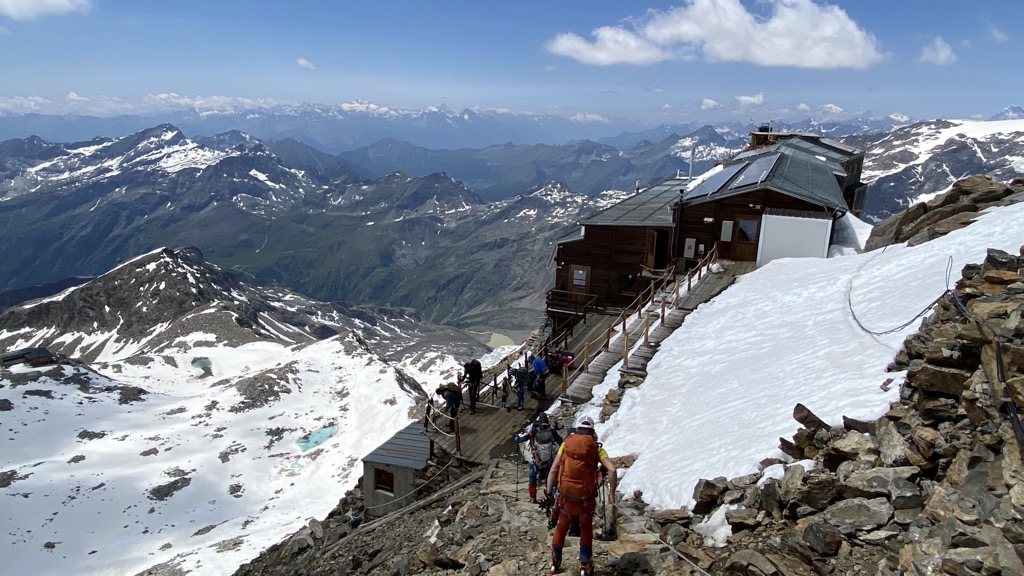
x,y
389,472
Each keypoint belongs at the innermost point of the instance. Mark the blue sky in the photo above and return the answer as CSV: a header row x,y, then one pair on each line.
x,y
654,62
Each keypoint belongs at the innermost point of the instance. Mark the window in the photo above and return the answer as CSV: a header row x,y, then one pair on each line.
x,y
383,480
747,231
579,277
628,283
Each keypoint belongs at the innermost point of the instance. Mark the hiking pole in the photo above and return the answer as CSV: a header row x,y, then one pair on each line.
x,y
518,466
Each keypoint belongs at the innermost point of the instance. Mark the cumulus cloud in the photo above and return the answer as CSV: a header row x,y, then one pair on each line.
x,y
750,101
303,63
611,45
709,104
997,34
31,9
801,107
798,33
938,51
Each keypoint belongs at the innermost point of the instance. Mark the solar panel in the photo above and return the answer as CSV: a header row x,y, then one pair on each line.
x,y
755,172
712,183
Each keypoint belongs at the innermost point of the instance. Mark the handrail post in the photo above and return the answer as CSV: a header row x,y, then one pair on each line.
x,y
458,437
565,378
426,415
662,311
586,357
625,350
689,280
607,337
647,328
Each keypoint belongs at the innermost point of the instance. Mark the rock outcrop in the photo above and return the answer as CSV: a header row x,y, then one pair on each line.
x,y
941,215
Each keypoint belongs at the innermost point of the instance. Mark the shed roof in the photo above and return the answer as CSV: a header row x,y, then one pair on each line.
x,y
789,167
651,207
408,448
13,357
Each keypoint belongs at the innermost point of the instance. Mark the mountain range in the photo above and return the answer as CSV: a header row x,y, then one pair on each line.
x,y
392,224
351,125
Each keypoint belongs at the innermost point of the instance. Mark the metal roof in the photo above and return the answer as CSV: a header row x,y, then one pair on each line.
x,y
792,166
652,207
408,448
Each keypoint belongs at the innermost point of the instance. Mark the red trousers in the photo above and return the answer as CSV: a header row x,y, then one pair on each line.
x,y
566,510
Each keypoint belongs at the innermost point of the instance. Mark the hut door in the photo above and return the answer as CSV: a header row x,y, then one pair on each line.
x,y
744,238
579,279
656,256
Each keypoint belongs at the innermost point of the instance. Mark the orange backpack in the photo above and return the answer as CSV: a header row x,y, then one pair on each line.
x,y
577,474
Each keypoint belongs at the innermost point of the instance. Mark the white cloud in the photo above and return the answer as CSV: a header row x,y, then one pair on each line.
x,y
303,63
803,107
997,34
21,104
654,90
611,45
587,118
750,101
4,31
30,9
173,100
709,104
797,33
938,51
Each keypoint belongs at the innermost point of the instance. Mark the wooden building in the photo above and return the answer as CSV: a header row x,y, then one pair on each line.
x,y
613,256
777,200
390,471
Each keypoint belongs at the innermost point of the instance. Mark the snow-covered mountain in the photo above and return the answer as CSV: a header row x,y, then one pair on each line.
x,y
911,163
195,418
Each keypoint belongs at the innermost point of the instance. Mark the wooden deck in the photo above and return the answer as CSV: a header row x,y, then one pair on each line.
x,y
488,433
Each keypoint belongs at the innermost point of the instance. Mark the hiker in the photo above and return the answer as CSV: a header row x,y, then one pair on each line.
x,y
452,395
575,473
519,378
473,374
544,442
539,373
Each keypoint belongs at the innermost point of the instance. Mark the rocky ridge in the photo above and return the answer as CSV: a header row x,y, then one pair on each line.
x,y
932,486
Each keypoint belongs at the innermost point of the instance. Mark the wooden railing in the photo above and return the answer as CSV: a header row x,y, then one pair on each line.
x,y
577,303
641,306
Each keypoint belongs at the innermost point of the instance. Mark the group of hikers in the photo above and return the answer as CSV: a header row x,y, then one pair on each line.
x,y
532,378
573,470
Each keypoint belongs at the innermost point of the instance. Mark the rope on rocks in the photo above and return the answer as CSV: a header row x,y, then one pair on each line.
x,y
996,339
683,556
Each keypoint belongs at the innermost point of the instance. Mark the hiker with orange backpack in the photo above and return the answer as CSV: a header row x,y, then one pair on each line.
x,y
574,472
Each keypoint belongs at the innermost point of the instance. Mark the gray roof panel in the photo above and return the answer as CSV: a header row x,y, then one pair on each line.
x,y
651,207
408,448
